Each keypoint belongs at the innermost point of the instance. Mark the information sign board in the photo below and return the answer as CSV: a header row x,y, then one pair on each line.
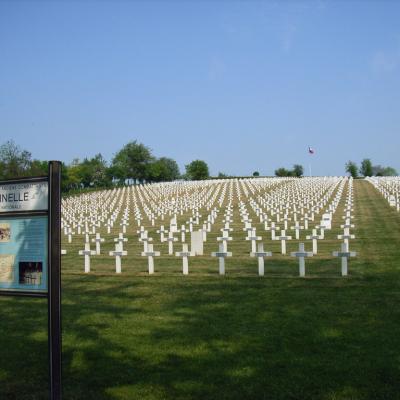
x,y
24,226
23,253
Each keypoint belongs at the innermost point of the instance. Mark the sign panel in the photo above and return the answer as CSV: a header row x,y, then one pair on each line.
x,y
23,253
24,196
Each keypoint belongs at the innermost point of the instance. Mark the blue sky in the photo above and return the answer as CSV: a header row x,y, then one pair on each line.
x,y
242,85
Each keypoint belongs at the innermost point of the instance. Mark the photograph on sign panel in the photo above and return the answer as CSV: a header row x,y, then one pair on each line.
x,y
5,233
6,268
30,273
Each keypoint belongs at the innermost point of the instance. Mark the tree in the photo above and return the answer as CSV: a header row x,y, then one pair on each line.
x,y
283,172
38,167
164,169
72,176
366,167
389,171
256,173
14,162
97,173
351,168
222,175
132,162
197,170
297,170
378,170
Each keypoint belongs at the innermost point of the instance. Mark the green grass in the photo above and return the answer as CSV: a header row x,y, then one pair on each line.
x,y
204,336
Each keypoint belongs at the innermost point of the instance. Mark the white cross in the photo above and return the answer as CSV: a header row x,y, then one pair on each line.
x,y
221,254
253,237
141,231
344,254
118,253
204,232
306,219
87,253
70,233
98,240
347,224
260,254
226,228
314,237
145,239
190,223
346,236
183,232
247,226
283,239
120,239
297,229
171,239
150,254
79,226
124,224
301,254
109,225
185,254
285,221
162,231
224,239
273,228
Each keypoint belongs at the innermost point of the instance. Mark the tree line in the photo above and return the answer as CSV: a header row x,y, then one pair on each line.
x,y
296,171
134,163
367,169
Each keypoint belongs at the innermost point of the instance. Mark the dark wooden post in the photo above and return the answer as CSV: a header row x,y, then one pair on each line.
x,y
54,296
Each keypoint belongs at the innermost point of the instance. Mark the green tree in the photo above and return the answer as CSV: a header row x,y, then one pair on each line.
x,y
91,172
132,162
283,172
297,170
389,171
197,170
71,176
256,173
351,168
99,172
38,168
163,170
378,170
366,167
14,162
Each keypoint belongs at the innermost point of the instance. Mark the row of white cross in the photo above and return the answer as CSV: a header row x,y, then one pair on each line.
x,y
104,212
273,201
389,187
221,254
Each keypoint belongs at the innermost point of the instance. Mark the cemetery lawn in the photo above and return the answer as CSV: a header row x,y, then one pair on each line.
x,y
204,336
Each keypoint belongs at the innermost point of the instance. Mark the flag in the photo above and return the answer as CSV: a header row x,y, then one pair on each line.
x,y
310,150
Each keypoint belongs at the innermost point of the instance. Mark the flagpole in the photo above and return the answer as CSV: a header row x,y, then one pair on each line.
x,y
310,153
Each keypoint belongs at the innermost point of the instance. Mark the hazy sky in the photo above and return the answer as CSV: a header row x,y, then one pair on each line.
x,y
242,85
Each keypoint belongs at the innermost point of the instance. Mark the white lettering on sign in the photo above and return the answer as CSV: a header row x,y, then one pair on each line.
x,y
31,196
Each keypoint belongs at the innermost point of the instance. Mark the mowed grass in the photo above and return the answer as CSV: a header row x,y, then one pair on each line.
x,y
209,337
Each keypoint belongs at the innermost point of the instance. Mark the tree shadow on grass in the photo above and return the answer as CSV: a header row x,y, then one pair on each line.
x,y
23,349
211,338
244,340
